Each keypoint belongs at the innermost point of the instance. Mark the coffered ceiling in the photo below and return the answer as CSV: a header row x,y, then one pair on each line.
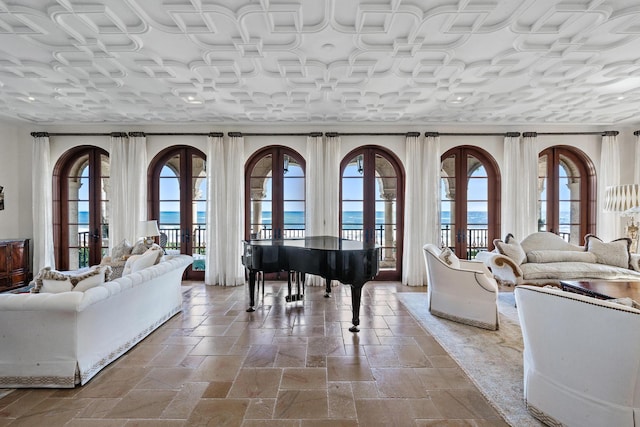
x,y
320,61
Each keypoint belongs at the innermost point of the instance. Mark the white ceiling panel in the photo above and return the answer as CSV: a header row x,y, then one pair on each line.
x,y
321,61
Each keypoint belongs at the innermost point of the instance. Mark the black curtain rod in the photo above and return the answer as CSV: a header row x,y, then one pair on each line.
x,y
372,133
472,134
605,133
37,134
274,134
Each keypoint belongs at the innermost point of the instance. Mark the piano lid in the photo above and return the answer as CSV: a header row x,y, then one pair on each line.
x,y
326,243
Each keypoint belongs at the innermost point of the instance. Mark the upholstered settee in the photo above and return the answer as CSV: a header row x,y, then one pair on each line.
x,y
581,358
544,258
63,338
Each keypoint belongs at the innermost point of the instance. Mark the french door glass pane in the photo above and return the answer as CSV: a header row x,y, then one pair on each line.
x,y
477,207
447,203
293,194
198,209
104,204
543,183
386,189
169,203
353,199
261,193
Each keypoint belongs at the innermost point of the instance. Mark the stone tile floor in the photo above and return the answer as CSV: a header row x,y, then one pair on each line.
x,y
286,364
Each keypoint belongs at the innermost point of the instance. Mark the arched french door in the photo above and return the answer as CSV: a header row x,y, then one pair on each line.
x,y
566,189
372,191
178,189
80,206
469,193
274,194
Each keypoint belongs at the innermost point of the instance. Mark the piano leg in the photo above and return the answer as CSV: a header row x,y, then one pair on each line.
x,y
356,294
327,288
252,290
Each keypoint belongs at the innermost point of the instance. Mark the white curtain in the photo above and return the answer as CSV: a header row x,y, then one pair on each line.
x,y
636,166
322,184
42,202
422,206
225,211
510,189
520,191
608,222
128,188
529,185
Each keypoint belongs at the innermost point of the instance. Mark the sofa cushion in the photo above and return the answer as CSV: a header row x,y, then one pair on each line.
x,y
511,248
121,250
53,281
560,256
139,262
575,270
614,253
449,258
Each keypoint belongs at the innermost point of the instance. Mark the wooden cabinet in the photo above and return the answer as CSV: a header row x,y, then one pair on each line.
x,y
14,263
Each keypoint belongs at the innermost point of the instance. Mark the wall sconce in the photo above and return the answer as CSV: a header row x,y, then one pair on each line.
x,y
359,163
286,164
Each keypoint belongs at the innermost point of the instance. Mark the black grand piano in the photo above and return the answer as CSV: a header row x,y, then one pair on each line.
x,y
348,261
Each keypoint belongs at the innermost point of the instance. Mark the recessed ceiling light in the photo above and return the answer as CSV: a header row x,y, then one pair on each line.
x,y
192,100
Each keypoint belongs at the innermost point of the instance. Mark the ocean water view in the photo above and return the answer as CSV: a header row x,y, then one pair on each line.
x,y
295,219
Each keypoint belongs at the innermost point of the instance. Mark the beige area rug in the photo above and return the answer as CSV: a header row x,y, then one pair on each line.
x,y
492,359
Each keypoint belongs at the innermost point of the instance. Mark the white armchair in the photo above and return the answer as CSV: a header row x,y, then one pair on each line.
x,y
581,358
462,291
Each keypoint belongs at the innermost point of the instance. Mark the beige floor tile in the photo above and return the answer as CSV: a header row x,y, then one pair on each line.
x,y
142,404
256,383
283,365
304,378
348,368
301,404
218,412
398,382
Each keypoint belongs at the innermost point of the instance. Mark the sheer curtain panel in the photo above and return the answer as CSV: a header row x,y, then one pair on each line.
x,y
422,207
608,224
322,184
42,202
520,197
128,188
225,211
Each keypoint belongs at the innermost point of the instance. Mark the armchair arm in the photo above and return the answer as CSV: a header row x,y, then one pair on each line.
x,y
478,266
504,269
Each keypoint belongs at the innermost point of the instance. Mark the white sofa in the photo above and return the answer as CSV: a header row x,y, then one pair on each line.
x,y
64,339
581,358
460,290
544,258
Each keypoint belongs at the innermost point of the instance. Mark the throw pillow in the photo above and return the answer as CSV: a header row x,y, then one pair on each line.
x,y
52,281
548,255
121,250
139,248
147,259
150,257
511,248
449,258
614,253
